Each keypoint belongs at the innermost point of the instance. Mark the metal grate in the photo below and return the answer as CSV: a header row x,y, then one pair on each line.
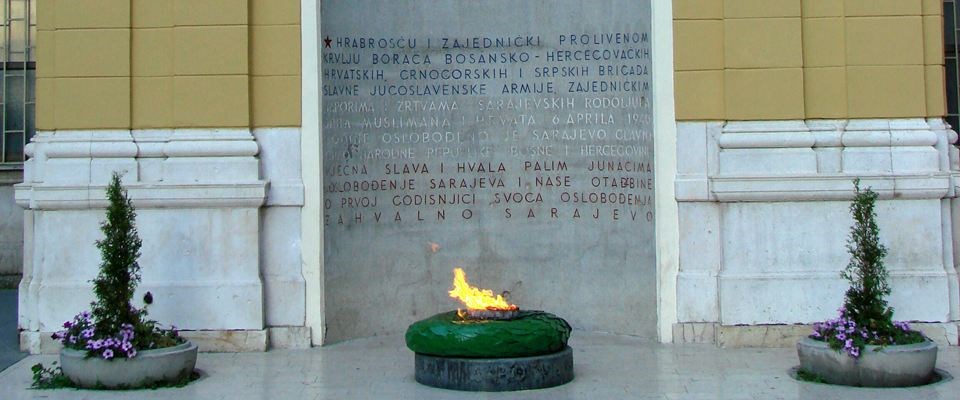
x,y
18,83
950,18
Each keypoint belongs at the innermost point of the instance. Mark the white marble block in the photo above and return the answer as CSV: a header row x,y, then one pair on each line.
x,y
699,270
198,195
767,243
281,256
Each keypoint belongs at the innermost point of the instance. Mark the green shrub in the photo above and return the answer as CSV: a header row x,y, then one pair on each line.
x,y
865,318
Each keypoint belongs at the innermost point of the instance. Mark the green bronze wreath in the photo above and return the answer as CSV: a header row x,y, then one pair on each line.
x,y
531,333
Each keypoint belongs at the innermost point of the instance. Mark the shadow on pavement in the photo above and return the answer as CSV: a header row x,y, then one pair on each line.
x,y
9,340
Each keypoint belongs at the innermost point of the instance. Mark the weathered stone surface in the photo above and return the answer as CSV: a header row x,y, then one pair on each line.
x,y
761,335
228,341
39,343
289,337
495,374
943,334
694,332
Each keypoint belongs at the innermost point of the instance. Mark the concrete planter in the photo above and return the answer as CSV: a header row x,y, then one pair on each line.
x,y
167,365
889,366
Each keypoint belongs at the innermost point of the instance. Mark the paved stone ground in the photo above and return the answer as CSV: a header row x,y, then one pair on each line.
x,y
9,342
607,367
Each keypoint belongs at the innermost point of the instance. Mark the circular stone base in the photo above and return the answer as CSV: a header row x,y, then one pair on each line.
x,y
495,374
888,366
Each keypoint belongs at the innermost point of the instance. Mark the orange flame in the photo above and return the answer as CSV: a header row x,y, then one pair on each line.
x,y
475,298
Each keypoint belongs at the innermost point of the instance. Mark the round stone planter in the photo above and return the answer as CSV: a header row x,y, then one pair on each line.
x,y
888,366
167,365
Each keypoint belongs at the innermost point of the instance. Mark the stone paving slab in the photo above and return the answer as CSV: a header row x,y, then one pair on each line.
x,y
607,367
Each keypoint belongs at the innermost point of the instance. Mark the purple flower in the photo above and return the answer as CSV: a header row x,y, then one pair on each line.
x,y
72,339
126,346
131,353
855,352
107,354
67,324
904,326
87,333
841,336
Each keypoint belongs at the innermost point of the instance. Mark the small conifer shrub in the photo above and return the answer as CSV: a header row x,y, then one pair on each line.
x,y
865,318
116,328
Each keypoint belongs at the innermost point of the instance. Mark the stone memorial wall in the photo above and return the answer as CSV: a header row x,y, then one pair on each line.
x,y
511,138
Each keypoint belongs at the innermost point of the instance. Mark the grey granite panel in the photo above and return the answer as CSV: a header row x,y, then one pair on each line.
x,y
513,139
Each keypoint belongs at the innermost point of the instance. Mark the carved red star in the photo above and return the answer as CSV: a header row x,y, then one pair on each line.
x,y
327,41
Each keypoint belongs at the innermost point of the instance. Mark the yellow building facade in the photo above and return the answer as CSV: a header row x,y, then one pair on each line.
x,y
168,64
788,60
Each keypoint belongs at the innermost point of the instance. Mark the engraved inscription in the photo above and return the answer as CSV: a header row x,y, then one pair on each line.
x,y
518,127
